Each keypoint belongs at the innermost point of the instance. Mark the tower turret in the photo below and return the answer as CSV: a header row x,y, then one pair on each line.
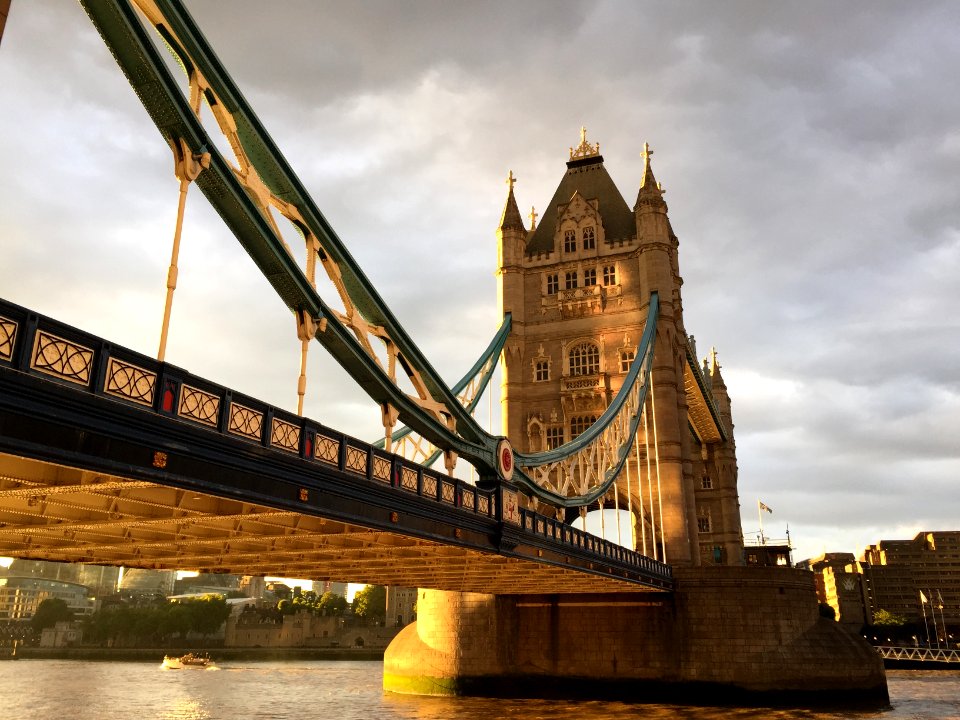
x,y
511,237
511,247
658,273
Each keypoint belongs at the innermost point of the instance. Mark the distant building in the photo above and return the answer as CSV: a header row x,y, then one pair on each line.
x,y
211,583
139,582
839,582
252,628
62,634
21,596
253,586
900,574
101,580
324,586
768,553
401,606
916,579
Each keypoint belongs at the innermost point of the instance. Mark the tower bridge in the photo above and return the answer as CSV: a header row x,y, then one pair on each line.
x,y
108,456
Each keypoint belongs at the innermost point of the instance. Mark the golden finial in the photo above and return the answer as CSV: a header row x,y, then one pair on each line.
x,y
584,149
533,218
647,152
511,180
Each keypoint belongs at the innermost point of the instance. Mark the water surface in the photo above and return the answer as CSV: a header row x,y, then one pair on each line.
x,y
67,689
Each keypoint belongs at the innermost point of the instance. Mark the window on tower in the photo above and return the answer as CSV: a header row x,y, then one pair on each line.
x,y
554,437
706,482
589,277
541,371
553,284
703,522
580,423
626,358
584,359
570,281
610,275
589,238
570,241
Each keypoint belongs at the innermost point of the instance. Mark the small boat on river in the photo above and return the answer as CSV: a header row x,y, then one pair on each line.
x,y
190,660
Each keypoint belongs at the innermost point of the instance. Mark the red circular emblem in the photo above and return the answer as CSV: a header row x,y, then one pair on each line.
x,y
505,459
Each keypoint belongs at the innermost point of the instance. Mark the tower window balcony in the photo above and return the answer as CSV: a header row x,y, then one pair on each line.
x,y
584,359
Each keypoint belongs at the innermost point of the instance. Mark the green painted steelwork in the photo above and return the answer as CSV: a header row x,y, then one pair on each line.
x,y
488,360
124,33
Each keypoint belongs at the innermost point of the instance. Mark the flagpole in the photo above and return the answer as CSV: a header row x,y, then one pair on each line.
x,y
923,601
943,622
760,515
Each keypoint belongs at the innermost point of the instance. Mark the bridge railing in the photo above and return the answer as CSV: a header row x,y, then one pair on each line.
x,y
41,347
44,347
918,654
566,534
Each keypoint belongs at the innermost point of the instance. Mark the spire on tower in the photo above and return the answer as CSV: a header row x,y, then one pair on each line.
x,y
716,380
650,189
533,218
510,219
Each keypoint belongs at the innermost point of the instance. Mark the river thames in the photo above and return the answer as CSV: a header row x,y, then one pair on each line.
x,y
67,689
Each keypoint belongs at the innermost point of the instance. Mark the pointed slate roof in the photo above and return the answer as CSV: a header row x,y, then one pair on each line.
x,y
587,176
510,218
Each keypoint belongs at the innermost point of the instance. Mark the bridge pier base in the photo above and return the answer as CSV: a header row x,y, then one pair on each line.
x,y
727,635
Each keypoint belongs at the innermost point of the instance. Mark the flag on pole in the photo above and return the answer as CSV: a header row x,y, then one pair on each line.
x,y
923,598
765,507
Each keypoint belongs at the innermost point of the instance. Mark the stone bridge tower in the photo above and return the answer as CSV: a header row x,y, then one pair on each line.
x,y
578,286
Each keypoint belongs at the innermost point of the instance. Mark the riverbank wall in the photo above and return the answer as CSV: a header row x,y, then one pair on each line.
x,y
725,635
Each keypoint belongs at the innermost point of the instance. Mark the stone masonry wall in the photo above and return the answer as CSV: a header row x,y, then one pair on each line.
x,y
729,629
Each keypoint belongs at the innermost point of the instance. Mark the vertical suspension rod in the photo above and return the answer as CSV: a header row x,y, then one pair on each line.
x,y
656,450
187,166
653,527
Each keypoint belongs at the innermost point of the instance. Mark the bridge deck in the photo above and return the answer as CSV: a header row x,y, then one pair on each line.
x,y
109,457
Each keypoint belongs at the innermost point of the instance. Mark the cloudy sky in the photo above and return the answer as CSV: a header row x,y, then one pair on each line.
x,y
810,153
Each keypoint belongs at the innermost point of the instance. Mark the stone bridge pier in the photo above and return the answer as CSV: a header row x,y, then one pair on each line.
x,y
726,635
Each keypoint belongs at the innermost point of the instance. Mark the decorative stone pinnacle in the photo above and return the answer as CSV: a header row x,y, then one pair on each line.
x,y
511,180
714,363
584,149
647,152
533,218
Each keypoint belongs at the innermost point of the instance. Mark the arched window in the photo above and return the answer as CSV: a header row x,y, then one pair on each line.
x,y
584,359
570,241
589,238
580,423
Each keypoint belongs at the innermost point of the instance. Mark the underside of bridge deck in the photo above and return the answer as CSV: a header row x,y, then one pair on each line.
x,y
51,512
